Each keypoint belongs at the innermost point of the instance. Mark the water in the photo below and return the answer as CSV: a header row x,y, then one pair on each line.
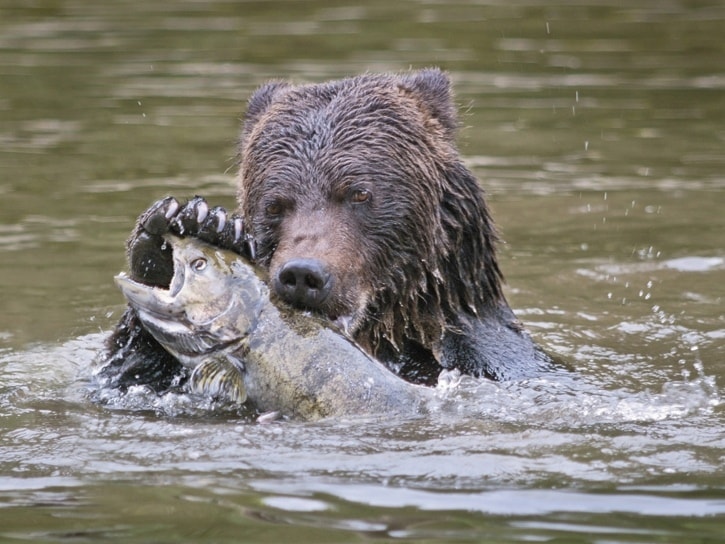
x,y
597,129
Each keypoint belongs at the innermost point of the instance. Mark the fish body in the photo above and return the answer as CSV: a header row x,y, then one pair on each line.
x,y
217,319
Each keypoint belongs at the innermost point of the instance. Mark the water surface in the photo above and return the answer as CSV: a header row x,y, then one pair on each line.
x,y
597,131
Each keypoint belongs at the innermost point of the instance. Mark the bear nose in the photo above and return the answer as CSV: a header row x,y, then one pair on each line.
x,y
303,282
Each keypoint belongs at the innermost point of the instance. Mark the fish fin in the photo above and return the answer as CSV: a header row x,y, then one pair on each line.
x,y
221,379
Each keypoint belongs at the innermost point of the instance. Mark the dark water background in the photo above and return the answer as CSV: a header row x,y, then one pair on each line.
x,y
598,130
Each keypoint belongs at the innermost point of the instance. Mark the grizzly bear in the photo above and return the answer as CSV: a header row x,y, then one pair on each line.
x,y
359,207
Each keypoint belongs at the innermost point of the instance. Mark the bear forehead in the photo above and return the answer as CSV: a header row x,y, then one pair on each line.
x,y
351,125
344,104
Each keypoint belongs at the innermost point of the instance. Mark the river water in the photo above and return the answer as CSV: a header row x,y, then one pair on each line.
x,y
598,130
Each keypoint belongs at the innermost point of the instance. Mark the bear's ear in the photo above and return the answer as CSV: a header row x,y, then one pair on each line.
x,y
259,103
432,88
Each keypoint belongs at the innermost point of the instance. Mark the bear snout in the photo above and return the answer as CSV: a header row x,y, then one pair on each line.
x,y
304,283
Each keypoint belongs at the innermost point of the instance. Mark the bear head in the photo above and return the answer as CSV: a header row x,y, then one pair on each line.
x,y
362,209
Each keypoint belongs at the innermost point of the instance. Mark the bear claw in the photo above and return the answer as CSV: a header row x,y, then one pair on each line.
x,y
149,257
211,228
189,219
155,220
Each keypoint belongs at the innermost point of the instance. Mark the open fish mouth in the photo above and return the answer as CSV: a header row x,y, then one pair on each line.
x,y
166,319
158,301
155,301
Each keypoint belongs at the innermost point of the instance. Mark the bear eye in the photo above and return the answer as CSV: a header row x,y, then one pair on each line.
x,y
359,195
275,208
198,264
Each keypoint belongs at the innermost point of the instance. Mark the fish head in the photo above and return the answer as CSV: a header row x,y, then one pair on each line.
x,y
212,302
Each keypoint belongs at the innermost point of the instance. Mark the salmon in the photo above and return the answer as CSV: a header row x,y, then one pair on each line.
x,y
217,319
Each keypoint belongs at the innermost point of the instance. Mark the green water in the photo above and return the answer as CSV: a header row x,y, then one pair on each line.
x,y
598,130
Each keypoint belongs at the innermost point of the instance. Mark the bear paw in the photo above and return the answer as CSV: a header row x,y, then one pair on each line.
x,y
213,225
150,258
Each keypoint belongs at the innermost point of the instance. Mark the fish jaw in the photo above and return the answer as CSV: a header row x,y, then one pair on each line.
x,y
166,320
155,301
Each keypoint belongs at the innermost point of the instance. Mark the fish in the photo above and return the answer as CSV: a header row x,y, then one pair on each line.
x,y
218,319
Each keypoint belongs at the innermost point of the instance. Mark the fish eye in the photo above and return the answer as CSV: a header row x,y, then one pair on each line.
x,y
198,264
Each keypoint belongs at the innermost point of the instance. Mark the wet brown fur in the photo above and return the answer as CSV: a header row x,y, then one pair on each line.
x,y
414,257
